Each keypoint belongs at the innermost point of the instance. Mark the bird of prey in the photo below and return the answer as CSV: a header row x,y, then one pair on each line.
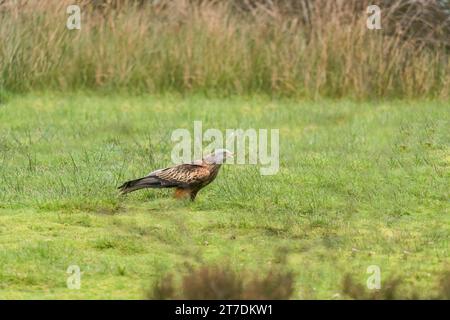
x,y
187,178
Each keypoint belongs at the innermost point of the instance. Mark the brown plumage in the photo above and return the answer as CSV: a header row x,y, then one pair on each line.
x,y
187,178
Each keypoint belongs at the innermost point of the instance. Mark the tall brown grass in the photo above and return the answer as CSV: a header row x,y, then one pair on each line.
x,y
216,46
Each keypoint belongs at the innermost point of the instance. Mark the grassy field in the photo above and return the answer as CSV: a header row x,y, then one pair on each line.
x,y
359,184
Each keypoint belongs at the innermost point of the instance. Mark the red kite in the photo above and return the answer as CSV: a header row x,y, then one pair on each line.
x,y
187,178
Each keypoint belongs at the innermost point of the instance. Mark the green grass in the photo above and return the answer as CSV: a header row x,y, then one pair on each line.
x,y
359,184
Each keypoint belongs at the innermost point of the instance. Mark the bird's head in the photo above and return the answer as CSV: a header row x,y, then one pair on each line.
x,y
218,156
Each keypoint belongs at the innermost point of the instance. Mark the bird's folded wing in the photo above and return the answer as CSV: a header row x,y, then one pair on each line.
x,y
184,174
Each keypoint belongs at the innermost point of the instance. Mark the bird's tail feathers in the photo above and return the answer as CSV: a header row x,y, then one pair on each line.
x,y
141,183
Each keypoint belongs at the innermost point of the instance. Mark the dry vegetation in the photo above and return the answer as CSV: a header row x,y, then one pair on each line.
x,y
216,282
303,48
391,290
221,282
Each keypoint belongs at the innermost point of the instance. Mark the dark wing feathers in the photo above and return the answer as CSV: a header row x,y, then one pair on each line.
x,y
146,182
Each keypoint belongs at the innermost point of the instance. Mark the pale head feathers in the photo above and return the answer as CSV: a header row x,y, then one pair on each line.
x,y
218,156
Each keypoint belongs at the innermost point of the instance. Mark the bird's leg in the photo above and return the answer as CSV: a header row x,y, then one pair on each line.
x,y
193,194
